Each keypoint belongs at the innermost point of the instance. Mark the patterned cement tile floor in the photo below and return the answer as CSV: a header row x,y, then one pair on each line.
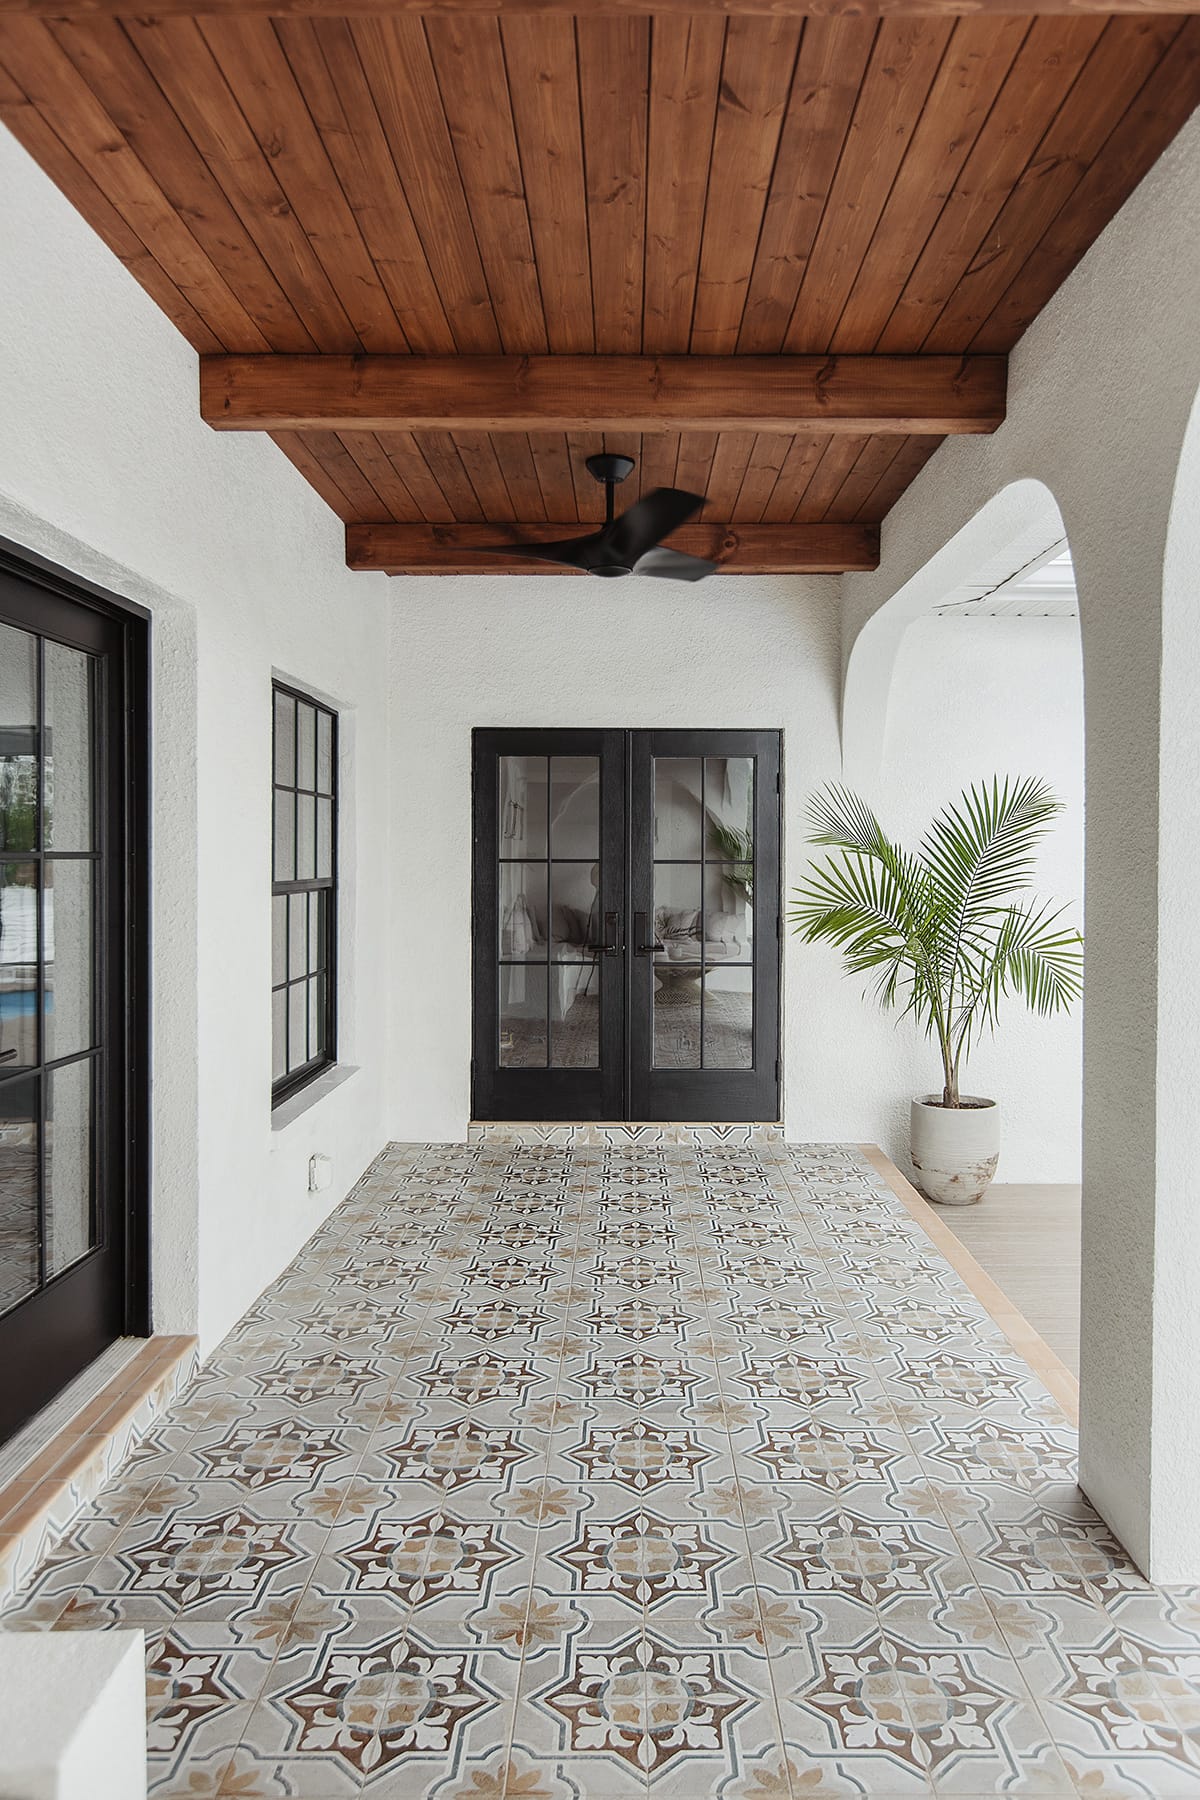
x,y
613,1472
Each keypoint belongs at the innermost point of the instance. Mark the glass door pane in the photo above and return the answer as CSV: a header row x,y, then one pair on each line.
x,y
72,1019
703,839
47,949
704,983
548,918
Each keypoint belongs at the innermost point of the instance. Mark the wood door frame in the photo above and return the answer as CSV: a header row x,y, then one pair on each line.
x,y
35,586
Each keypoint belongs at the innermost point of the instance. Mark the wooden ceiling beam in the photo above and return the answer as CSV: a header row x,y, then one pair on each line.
x,y
545,9
738,549
921,396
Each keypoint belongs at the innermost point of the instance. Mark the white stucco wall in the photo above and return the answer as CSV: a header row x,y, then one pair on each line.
x,y
1101,391
466,652
106,468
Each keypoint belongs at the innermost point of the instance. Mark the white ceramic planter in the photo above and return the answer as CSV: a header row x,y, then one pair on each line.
x,y
954,1149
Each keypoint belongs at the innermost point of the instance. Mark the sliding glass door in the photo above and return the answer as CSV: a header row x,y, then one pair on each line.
x,y
70,1133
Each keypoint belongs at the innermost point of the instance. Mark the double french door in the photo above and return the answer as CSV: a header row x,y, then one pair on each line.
x,y
72,1077
626,925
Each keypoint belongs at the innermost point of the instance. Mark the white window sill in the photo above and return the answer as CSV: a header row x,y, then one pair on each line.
x,y
325,1084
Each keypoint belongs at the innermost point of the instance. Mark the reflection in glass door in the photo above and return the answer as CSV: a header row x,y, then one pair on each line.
x,y
65,1055
549,901
621,884
704,895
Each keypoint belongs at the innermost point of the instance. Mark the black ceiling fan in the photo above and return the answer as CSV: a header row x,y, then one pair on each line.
x,y
630,545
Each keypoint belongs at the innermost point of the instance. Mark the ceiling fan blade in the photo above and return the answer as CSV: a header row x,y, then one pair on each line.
x,y
673,565
577,553
648,522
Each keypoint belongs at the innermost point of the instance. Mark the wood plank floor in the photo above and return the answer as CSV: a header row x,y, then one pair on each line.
x,y
1027,1238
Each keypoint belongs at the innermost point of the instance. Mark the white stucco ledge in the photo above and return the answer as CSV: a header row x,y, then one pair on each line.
x,y
72,1715
308,1097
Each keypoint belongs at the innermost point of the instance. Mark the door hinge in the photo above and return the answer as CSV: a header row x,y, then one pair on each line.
x,y
777,1068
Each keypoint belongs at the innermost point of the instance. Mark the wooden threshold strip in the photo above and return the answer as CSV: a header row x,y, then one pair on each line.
x,y
1050,1369
736,549
39,1502
927,396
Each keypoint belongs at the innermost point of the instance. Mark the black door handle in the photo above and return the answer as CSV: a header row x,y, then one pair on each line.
x,y
610,946
640,946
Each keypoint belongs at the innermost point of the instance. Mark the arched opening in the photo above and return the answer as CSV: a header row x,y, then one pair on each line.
x,y
973,669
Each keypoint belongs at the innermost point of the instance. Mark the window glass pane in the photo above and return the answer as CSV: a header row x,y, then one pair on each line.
x,y
297,1025
18,964
729,802
523,911
318,914
523,806
18,740
315,1045
298,951
523,1030
729,1019
285,836
324,839
728,912
677,1015
279,908
18,1189
324,753
304,851
279,1035
285,739
575,805
306,837
67,772
574,910
678,968
677,894
678,814
575,1012
306,746
68,1165
67,947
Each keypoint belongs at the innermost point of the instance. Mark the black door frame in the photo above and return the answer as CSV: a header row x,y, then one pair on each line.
x,y
569,1093
723,1094
626,1087
50,1350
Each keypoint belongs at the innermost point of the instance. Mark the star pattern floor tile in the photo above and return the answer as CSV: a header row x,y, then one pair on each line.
x,y
627,1470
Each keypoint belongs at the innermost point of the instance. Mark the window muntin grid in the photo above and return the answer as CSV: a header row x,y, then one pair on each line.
x,y
303,890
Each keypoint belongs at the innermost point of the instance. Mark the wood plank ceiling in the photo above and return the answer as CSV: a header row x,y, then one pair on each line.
x,y
496,181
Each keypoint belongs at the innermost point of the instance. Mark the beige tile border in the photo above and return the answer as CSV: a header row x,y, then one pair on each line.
x,y
39,1502
1050,1369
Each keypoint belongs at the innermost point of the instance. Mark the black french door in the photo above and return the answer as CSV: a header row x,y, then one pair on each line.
x,y
72,1001
626,925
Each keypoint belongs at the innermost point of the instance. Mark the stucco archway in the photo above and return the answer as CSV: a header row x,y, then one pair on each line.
x,y
1011,529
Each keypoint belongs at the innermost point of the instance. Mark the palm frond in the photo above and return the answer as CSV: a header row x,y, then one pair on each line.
x,y
983,848
940,931
1038,958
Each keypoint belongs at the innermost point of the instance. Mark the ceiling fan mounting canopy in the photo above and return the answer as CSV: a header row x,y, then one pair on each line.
x,y
631,544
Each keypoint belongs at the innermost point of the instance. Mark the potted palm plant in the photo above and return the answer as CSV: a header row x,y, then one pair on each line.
x,y
947,933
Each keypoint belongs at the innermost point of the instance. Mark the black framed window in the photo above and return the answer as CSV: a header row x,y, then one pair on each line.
x,y
303,891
